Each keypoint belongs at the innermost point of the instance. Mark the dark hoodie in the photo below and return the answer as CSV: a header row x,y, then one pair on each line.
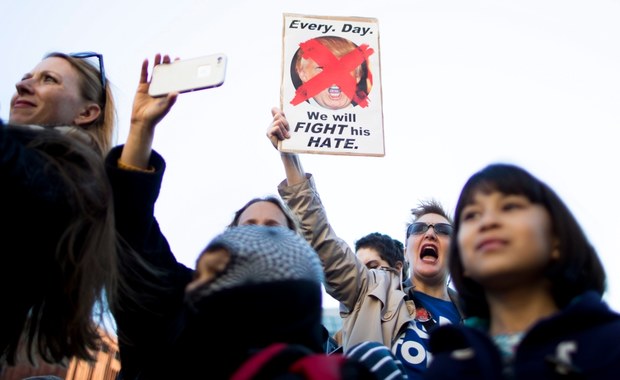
x,y
580,342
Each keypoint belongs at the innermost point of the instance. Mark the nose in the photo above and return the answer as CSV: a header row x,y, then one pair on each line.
x,y
488,219
430,233
24,86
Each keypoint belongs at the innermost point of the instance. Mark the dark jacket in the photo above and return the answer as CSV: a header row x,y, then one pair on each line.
x,y
161,334
580,342
148,321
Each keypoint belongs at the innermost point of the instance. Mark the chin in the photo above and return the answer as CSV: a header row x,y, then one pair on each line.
x,y
18,121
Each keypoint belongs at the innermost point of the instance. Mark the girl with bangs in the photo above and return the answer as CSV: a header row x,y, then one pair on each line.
x,y
531,285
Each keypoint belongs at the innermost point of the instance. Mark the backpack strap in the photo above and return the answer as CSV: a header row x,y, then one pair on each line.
x,y
270,362
320,366
255,364
290,361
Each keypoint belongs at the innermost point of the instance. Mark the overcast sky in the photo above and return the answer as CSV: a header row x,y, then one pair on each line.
x,y
465,83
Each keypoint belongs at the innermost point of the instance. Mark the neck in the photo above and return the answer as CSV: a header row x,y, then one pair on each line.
x,y
517,310
437,290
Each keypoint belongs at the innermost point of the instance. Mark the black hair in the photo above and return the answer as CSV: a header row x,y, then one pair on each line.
x,y
578,268
389,249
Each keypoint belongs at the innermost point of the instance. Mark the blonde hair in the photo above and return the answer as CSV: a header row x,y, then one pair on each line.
x,y
101,129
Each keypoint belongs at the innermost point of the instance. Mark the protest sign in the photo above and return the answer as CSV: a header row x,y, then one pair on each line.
x,y
331,85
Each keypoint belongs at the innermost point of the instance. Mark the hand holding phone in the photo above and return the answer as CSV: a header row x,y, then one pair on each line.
x,y
188,75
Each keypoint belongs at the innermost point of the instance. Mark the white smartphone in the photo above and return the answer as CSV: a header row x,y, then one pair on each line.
x,y
188,75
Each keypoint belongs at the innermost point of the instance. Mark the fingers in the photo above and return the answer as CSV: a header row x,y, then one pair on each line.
x,y
278,115
279,126
144,73
157,60
278,129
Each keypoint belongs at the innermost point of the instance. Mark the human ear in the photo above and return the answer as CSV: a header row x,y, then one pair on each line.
x,y
214,261
209,265
88,115
399,265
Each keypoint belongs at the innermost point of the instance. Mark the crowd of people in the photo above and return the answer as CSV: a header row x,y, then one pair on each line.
x,y
526,300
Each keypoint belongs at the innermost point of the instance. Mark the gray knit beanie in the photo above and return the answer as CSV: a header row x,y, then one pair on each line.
x,y
262,254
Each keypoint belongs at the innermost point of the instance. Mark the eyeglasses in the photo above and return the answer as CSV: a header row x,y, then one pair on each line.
x,y
91,54
419,228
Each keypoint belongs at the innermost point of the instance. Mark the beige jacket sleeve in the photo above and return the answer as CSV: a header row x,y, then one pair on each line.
x,y
371,302
347,279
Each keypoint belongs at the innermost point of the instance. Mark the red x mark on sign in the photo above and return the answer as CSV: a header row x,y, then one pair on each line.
x,y
335,71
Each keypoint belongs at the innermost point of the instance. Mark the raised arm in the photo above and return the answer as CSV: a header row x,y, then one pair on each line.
x,y
346,277
136,173
147,112
157,281
278,131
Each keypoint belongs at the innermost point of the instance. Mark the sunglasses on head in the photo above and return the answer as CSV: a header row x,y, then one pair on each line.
x,y
91,54
419,228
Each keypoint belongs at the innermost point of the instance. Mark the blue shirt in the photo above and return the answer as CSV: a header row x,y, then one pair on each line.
x,y
411,348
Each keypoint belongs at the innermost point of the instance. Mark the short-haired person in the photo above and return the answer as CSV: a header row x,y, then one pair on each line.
x,y
375,303
58,237
310,60
531,284
378,250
